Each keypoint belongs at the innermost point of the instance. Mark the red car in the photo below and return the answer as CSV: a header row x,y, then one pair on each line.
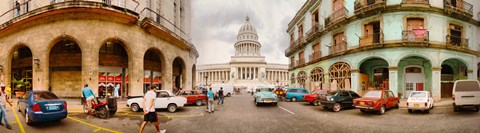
x,y
193,97
312,97
377,100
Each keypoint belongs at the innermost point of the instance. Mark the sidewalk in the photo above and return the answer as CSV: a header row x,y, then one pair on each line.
x,y
442,103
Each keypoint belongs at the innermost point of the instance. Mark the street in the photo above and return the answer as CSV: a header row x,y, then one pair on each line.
x,y
240,115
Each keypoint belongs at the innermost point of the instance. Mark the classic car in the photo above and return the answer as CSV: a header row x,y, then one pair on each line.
x,y
296,94
312,97
264,95
377,100
40,106
419,100
165,100
193,97
280,92
466,94
337,100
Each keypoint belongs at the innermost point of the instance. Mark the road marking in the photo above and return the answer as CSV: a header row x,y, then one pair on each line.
x,y
18,120
93,125
286,110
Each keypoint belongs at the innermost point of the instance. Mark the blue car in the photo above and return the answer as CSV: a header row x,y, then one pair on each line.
x,y
39,106
296,94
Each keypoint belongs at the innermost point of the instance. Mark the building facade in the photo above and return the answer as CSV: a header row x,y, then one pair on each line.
x,y
59,45
247,67
400,45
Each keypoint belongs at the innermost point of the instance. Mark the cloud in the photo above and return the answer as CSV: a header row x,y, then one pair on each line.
x,y
215,24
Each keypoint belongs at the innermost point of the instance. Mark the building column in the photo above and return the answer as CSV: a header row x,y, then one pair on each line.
x,y
392,79
436,83
355,80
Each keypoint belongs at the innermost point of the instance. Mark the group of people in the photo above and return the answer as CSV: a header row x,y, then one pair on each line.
x,y
211,98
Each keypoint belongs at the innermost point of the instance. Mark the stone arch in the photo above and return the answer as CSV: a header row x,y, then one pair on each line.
x,y
456,58
179,73
414,55
292,78
360,62
340,71
409,80
121,69
302,78
452,69
155,65
8,69
57,39
373,74
125,45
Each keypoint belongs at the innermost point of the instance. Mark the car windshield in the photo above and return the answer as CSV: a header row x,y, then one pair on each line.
x,y
331,93
418,94
467,86
264,89
44,96
373,94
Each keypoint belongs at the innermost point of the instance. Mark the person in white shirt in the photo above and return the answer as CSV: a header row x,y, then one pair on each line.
x,y
3,109
149,114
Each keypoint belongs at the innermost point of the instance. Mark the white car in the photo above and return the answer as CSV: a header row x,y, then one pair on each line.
x,y
466,94
165,100
420,100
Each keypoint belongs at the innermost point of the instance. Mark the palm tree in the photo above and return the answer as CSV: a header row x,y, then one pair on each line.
x,y
21,84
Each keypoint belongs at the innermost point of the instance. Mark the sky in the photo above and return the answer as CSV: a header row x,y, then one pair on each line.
x,y
215,25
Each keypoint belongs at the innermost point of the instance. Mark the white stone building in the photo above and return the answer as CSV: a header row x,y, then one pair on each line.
x,y
247,67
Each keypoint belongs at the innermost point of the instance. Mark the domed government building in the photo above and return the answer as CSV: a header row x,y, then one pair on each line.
x,y
59,45
247,67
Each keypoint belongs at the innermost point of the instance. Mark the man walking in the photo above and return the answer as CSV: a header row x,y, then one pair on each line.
x,y
220,96
89,96
210,101
3,109
149,114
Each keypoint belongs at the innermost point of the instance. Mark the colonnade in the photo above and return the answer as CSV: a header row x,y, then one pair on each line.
x,y
248,48
277,75
214,76
247,73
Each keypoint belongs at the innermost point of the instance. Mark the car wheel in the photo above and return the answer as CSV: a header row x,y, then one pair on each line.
x,y
315,102
293,99
27,119
275,104
103,112
382,110
228,95
427,111
477,109
397,105
432,106
172,108
455,109
198,102
410,110
135,107
336,107
363,111
257,104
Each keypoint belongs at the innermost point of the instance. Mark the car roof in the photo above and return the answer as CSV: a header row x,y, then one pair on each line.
x,y
298,88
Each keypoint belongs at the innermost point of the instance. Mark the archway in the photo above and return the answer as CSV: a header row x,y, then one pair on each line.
x,y
65,68
21,69
113,68
316,76
340,72
301,78
452,70
178,74
414,74
152,65
373,75
292,79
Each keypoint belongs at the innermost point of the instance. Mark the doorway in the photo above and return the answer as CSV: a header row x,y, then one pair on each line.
x,y
414,80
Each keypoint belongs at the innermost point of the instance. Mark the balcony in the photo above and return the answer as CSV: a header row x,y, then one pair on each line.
x,y
166,25
314,56
458,8
292,65
300,62
415,36
415,2
315,29
336,17
371,39
294,45
362,6
338,47
457,42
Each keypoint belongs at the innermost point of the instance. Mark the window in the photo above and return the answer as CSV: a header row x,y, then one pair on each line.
x,y
300,31
292,78
340,72
415,23
292,90
304,91
385,95
301,57
292,38
344,94
302,77
354,94
455,34
339,42
44,96
413,70
409,86
317,75
162,94
315,19
466,86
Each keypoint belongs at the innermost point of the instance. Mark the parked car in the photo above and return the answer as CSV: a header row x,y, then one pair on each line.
x,y
193,97
280,92
377,100
41,106
466,94
296,94
337,100
265,95
165,100
419,100
312,97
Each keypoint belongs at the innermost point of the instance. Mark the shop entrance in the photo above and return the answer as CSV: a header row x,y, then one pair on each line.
x,y
152,66
414,80
113,69
21,70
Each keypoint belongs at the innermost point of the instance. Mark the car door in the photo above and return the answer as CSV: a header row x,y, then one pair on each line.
x,y
291,93
391,99
345,99
162,100
23,101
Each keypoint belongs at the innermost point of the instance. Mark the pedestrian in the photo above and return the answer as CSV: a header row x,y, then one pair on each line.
x,y
3,109
89,96
220,96
9,92
149,114
115,92
210,104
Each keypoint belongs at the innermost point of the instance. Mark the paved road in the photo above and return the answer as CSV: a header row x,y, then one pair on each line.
x,y
240,115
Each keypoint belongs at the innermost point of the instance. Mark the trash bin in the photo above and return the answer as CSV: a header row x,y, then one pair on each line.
x,y
112,105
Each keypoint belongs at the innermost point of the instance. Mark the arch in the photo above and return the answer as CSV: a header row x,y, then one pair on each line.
x,y
292,78
301,78
125,45
316,74
154,67
64,37
178,74
360,62
23,74
414,55
340,71
114,60
456,58
64,60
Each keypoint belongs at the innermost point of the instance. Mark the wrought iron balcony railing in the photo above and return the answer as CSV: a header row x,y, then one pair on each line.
x,y
159,19
416,35
415,1
292,65
371,39
315,55
315,29
363,4
336,16
456,41
459,5
338,47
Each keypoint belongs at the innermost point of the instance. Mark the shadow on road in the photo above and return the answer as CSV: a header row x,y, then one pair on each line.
x,y
49,124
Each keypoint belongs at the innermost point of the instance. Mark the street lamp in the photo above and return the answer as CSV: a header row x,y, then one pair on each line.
x,y
36,61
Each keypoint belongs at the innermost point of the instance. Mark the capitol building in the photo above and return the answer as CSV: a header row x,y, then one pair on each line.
x,y
247,67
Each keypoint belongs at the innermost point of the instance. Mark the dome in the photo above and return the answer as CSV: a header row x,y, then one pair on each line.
x,y
247,31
